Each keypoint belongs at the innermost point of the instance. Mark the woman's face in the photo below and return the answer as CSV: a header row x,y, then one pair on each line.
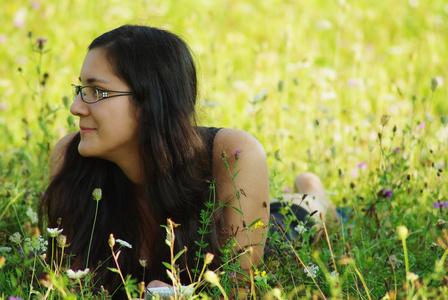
x,y
109,128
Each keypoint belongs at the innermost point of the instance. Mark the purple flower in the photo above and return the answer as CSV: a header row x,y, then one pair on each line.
x,y
236,154
440,205
232,274
386,193
362,165
421,126
396,150
41,42
287,189
15,298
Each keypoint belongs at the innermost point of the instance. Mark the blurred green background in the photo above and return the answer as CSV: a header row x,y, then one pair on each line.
x,y
309,79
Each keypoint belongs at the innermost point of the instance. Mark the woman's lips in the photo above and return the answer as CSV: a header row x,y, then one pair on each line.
x,y
85,130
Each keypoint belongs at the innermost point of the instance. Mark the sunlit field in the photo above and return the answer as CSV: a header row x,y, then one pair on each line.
x,y
354,91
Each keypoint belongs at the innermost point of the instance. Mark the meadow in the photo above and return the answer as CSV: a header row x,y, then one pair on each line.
x,y
354,91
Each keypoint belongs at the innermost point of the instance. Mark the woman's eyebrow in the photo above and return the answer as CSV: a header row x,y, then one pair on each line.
x,y
94,80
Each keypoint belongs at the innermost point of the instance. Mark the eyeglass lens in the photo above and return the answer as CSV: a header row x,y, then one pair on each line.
x,y
89,94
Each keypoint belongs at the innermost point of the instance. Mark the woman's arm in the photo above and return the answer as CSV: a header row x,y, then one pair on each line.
x,y
252,185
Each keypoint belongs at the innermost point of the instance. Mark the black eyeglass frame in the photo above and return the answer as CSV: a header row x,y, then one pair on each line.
x,y
104,93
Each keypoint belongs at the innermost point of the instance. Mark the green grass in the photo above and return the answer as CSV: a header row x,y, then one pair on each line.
x,y
310,79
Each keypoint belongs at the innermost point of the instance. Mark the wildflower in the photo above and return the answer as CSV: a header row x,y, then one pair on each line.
x,y
124,243
263,274
232,274
259,224
97,194
19,18
312,270
236,154
300,229
5,249
111,240
78,274
41,42
396,150
62,240
421,126
16,238
35,5
15,298
141,287
3,106
394,261
385,193
402,232
384,120
434,246
54,232
411,276
440,224
334,274
362,165
37,244
208,258
434,84
440,205
211,277
2,261
287,189
32,215
142,262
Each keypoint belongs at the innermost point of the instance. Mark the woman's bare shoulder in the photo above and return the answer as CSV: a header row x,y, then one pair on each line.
x,y
235,140
57,155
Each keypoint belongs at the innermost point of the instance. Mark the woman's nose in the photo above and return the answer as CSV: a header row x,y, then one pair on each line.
x,y
79,107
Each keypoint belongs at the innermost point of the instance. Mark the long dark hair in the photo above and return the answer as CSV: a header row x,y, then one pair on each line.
x,y
159,69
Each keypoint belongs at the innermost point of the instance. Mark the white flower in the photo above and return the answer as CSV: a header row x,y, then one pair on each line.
x,y
16,238
411,276
5,249
32,215
313,269
54,232
334,273
78,274
300,229
37,244
124,243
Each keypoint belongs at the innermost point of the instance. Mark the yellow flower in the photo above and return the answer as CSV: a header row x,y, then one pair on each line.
x,y
263,274
259,224
256,272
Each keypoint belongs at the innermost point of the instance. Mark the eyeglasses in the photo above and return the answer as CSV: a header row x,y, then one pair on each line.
x,y
90,94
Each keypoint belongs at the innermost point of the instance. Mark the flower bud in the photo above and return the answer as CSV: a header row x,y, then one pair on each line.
x,y
211,277
62,240
402,232
111,240
208,258
97,194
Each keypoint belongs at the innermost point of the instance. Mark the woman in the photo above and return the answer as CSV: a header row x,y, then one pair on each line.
x,y
138,143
